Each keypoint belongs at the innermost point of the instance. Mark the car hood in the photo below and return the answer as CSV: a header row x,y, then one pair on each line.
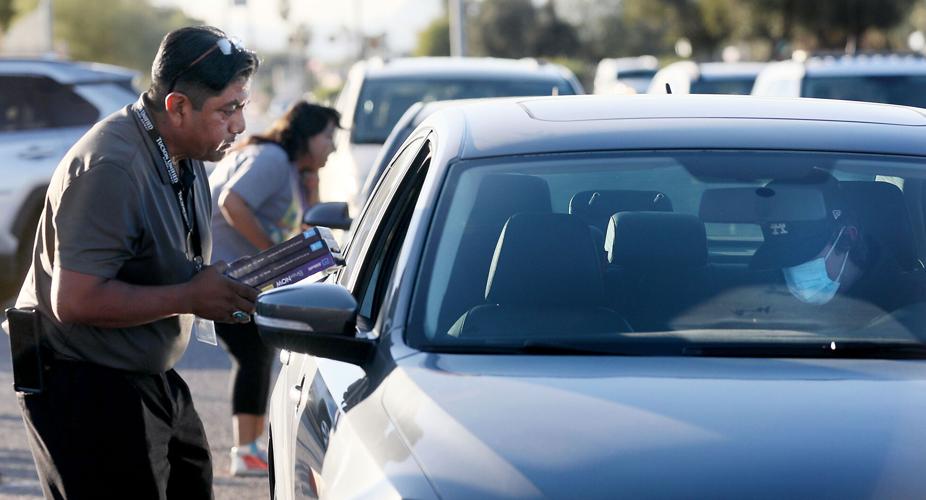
x,y
569,426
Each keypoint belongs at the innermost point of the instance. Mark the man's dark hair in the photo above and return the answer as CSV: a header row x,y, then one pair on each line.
x,y
188,60
293,130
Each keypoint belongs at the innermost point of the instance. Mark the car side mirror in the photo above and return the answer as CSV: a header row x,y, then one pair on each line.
x,y
333,214
317,318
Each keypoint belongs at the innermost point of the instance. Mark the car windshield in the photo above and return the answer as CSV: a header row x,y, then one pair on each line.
x,y
890,89
382,102
752,253
741,85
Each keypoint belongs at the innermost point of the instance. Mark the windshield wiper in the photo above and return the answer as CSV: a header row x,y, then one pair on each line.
x,y
832,349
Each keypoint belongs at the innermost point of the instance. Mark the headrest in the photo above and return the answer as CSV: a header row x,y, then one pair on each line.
x,y
502,195
596,207
882,214
656,239
545,259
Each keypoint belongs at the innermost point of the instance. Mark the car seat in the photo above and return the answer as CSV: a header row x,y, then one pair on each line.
x,y
498,197
544,280
656,266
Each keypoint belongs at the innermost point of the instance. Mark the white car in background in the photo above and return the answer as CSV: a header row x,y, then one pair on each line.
x,y
890,79
625,75
688,77
378,92
45,106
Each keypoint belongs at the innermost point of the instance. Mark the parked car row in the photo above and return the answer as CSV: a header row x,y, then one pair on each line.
x,y
556,295
885,78
518,262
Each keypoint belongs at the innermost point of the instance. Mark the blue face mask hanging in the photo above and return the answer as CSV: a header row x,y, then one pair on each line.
x,y
809,282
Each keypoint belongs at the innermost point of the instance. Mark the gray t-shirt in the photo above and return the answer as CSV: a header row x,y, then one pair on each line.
x,y
263,176
110,211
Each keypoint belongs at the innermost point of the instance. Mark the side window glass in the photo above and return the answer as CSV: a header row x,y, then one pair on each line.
x,y
378,199
390,234
29,103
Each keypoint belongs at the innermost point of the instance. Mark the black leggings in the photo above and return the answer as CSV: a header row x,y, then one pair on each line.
x,y
252,361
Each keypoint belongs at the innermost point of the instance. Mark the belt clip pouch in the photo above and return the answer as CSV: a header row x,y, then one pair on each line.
x,y
26,350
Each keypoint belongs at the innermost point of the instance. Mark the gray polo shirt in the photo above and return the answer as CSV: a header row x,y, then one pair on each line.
x,y
111,212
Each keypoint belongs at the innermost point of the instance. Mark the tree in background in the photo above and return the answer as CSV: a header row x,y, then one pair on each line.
x,y
590,30
434,40
553,36
122,32
11,9
504,28
848,25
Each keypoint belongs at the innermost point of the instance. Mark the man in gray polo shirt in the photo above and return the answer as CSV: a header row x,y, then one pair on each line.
x,y
117,275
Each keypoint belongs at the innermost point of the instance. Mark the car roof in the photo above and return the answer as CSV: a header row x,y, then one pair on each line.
x,y
66,72
463,67
517,126
865,65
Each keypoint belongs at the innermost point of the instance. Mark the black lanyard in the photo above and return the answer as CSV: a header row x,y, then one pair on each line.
x,y
185,213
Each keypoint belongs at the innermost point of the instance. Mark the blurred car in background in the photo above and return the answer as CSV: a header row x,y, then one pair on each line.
x,y
45,106
625,75
409,121
378,92
890,79
483,340
688,77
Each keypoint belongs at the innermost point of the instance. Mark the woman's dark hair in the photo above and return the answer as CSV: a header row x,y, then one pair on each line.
x,y
193,60
293,130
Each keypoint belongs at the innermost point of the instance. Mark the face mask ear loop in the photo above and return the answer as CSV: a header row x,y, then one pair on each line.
x,y
833,246
843,268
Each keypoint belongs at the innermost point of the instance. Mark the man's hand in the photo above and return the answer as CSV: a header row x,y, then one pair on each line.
x,y
212,295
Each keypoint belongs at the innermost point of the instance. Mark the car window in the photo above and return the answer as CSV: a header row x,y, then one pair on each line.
x,y
905,90
28,103
382,102
690,247
735,86
373,210
390,232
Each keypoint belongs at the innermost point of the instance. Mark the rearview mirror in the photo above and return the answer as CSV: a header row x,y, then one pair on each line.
x,y
317,318
332,214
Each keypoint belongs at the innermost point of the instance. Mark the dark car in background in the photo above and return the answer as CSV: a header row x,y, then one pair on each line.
x,y
560,298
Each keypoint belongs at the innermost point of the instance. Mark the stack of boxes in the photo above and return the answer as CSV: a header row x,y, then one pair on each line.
x,y
308,253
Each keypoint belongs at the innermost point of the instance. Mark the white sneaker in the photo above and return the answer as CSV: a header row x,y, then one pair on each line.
x,y
249,460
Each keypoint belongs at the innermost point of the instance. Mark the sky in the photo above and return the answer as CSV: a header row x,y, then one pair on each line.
x,y
332,22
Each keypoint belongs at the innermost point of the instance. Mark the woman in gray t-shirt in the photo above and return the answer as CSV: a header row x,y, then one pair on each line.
x,y
259,199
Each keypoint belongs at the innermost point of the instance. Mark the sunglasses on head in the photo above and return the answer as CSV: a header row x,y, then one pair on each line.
x,y
227,46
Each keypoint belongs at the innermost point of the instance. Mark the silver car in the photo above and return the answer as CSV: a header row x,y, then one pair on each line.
x,y
45,106
377,93
595,297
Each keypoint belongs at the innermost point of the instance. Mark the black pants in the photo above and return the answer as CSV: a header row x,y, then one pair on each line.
x,y
252,361
98,433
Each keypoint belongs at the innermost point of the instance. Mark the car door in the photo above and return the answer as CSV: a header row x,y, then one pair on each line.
x,y
39,120
326,385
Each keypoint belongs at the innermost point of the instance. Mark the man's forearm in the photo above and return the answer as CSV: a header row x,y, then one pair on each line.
x,y
116,304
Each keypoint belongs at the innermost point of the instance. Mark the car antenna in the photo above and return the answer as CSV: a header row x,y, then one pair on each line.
x,y
668,88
